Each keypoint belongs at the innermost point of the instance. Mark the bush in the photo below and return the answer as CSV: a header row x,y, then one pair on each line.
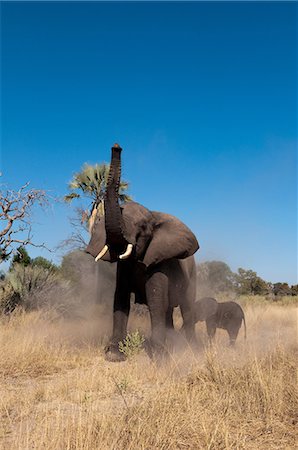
x,y
132,344
21,257
9,299
281,289
31,287
214,277
45,263
249,283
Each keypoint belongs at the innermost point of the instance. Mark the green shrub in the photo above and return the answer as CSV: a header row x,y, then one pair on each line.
x,y
40,261
132,344
21,257
31,287
9,299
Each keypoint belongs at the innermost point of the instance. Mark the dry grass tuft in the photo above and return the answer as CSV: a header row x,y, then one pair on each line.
x,y
58,392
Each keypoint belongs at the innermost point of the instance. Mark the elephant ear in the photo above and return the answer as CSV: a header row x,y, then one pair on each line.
x,y
171,239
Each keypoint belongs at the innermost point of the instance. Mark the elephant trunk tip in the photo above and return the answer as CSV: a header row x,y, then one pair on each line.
x,y
117,146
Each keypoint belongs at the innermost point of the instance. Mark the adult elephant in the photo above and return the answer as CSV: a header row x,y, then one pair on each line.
x,y
153,251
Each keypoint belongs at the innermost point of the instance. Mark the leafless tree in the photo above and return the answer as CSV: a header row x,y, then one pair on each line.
x,y
78,239
15,216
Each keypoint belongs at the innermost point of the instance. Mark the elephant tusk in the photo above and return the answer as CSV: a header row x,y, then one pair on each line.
x,y
102,253
127,252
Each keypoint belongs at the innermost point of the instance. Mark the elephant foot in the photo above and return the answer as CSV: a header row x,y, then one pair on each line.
x,y
157,353
148,348
113,354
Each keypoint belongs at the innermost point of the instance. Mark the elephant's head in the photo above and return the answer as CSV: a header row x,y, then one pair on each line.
x,y
132,231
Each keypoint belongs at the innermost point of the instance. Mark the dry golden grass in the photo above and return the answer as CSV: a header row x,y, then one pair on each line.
x,y
58,392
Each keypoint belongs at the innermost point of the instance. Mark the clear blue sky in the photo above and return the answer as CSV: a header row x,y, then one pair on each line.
x,y
201,96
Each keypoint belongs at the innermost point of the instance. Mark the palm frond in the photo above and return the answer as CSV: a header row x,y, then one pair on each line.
x,y
68,198
92,181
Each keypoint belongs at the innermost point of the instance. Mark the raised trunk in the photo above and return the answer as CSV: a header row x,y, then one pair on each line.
x,y
113,218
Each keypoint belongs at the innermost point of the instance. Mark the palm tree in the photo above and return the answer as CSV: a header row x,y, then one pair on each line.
x,y
92,181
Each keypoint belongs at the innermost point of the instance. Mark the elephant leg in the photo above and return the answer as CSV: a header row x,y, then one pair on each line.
x,y
211,328
157,299
170,329
169,318
187,308
189,324
121,313
233,333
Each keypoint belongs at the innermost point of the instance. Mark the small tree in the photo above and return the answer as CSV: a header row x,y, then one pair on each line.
x,y
294,289
15,216
89,184
32,287
91,181
40,261
281,289
214,277
248,282
21,257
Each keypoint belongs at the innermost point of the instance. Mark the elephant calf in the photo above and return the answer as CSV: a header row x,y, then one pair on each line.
x,y
226,315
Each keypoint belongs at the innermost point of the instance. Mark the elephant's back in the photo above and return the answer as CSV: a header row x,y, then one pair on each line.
x,y
228,311
235,307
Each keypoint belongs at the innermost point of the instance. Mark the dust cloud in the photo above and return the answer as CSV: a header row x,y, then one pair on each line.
x,y
80,315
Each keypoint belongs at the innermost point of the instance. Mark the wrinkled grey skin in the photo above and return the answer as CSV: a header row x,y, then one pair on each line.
x,y
160,270
226,315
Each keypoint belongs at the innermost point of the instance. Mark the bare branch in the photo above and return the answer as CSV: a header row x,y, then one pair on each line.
x,y
15,212
76,240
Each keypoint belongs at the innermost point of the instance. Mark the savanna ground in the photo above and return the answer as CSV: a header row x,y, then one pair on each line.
x,y
58,392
